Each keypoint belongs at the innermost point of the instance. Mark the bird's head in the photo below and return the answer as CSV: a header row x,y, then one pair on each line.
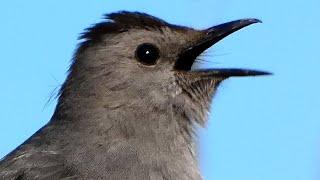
x,y
134,59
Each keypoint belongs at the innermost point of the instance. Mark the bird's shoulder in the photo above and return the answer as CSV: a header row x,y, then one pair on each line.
x,y
25,165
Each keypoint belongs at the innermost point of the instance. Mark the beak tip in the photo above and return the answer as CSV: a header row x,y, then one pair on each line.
x,y
249,21
259,73
254,20
262,73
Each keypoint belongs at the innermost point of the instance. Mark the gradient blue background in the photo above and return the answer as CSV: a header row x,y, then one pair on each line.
x,y
260,128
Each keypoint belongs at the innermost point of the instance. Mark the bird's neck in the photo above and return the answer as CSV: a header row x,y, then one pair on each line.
x,y
150,136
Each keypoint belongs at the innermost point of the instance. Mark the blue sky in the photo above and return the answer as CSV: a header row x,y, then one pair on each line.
x,y
260,128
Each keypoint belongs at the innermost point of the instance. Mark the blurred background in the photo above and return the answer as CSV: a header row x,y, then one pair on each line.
x,y
260,128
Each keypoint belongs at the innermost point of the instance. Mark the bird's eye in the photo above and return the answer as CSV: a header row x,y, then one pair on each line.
x,y
147,54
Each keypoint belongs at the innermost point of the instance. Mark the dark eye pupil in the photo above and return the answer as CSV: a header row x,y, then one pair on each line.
x,y
147,54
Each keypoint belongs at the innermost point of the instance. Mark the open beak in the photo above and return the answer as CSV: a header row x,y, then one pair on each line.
x,y
211,36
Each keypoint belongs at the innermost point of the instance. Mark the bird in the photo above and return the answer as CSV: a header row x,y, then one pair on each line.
x,y
130,105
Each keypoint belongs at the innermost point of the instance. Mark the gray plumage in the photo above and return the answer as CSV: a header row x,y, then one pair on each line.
x,y
121,115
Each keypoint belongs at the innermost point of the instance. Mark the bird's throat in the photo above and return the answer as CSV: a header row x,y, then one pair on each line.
x,y
154,140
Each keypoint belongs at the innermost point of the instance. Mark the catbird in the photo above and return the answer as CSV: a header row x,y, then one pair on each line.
x,y
130,104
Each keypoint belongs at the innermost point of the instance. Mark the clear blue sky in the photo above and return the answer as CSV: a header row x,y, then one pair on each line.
x,y
260,128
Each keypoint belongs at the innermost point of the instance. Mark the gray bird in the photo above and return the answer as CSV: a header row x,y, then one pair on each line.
x,y
129,106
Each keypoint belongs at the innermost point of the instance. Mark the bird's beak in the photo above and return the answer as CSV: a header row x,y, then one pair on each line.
x,y
211,36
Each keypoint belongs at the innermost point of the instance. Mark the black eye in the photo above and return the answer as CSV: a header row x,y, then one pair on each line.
x,y
147,54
